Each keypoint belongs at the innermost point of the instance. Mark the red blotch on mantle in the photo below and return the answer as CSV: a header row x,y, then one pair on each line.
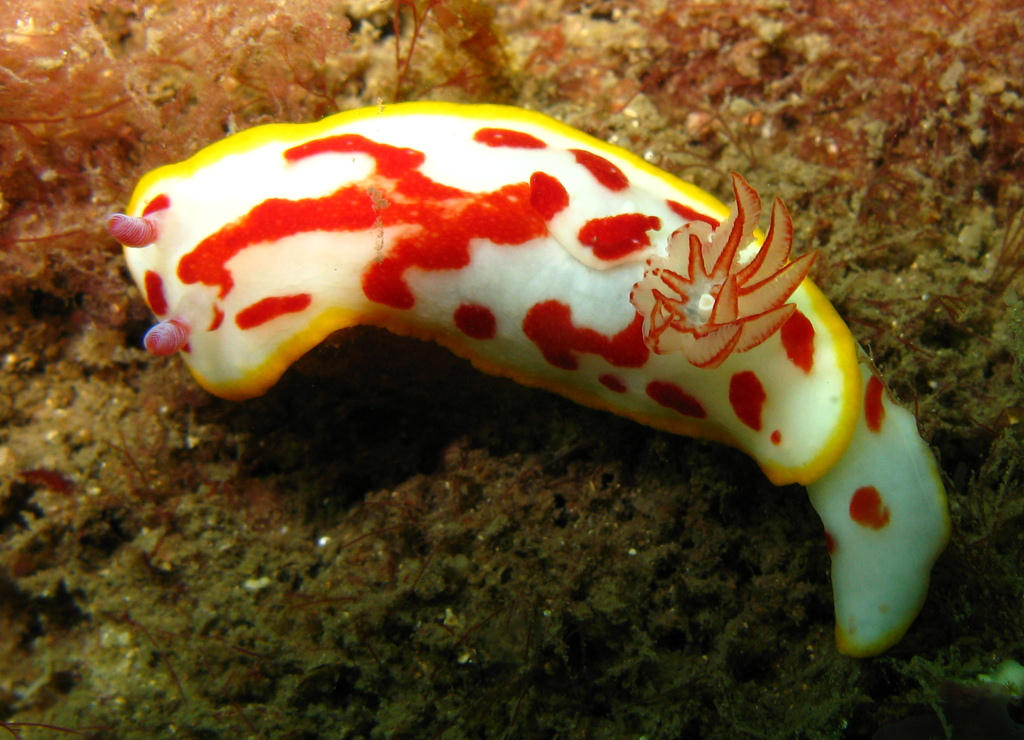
x,y
868,509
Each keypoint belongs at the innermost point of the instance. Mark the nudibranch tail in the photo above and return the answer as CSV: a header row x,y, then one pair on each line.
x,y
708,298
884,509
558,260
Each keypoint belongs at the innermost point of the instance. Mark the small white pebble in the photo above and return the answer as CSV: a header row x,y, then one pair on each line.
x,y
257,584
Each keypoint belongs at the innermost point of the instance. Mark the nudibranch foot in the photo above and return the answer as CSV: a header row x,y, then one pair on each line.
x,y
566,263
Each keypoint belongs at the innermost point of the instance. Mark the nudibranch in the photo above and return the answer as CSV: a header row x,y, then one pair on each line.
x,y
545,255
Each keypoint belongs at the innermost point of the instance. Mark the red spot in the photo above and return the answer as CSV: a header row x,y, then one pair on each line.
x,y
158,203
617,236
549,325
267,309
830,542
776,437
476,321
874,411
612,382
442,243
218,319
440,221
746,395
415,185
867,509
350,209
547,195
672,396
155,292
691,214
391,161
52,479
507,137
798,339
603,171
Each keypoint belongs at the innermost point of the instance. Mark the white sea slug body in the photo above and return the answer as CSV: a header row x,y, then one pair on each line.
x,y
563,262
